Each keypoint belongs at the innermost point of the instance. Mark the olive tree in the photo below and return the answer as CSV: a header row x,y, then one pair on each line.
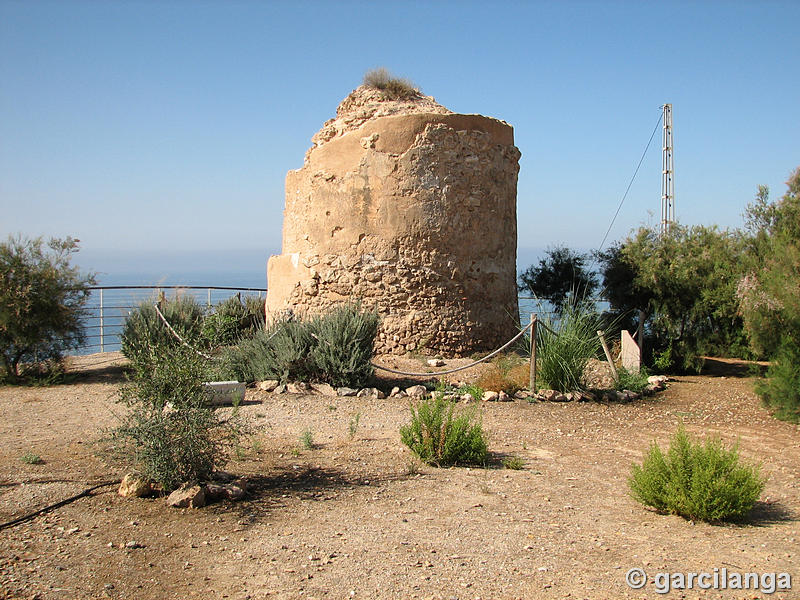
x,y
41,300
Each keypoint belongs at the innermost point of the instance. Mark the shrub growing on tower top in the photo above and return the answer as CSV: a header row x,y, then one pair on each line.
x,y
394,88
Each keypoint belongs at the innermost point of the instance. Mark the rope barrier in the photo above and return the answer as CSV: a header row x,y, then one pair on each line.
x,y
477,362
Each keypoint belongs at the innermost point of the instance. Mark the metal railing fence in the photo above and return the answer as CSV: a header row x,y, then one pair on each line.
x,y
109,306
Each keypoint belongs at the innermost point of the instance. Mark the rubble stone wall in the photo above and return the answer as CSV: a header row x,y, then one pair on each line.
x,y
414,214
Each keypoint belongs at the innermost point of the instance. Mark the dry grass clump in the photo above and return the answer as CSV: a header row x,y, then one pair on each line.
x,y
393,88
506,374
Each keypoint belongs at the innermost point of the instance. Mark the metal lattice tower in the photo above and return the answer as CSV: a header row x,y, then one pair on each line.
x,y
667,173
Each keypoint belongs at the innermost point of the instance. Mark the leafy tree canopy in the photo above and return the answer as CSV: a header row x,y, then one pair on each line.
x,y
41,298
560,275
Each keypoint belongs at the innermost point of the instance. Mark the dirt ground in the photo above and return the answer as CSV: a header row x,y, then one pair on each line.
x,y
358,518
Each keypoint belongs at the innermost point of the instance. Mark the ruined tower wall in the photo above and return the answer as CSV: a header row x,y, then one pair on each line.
x,y
415,214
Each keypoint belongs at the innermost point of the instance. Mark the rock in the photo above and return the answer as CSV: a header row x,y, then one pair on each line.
x,y
280,389
559,397
626,395
324,389
346,391
547,395
298,387
490,396
522,394
268,386
657,379
133,544
417,391
396,393
133,486
371,393
435,362
586,397
215,492
654,388
188,496
467,398
503,397
229,491
570,396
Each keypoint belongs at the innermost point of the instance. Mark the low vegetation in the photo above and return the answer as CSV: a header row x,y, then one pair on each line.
x,y
509,374
441,437
168,434
565,347
393,88
334,348
700,482
635,381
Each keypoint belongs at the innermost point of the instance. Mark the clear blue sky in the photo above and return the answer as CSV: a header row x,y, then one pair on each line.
x,y
156,129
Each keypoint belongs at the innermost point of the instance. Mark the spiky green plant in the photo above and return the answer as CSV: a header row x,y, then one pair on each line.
x,y
439,436
565,346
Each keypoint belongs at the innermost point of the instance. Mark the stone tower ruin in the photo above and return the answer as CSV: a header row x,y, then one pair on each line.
x,y
411,209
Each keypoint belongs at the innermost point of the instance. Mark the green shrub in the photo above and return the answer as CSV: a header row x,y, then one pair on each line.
x,y
562,356
234,319
335,348
144,335
281,352
345,339
632,380
438,437
704,482
169,434
42,299
780,391
394,88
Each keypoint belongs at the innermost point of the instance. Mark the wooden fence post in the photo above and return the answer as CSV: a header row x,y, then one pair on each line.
x,y
608,356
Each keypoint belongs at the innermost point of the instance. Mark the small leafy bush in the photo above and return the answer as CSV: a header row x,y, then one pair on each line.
x,y
702,482
632,380
394,88
440,437
145,336
169,434
562,356
514,463
307,439
29,458
234,319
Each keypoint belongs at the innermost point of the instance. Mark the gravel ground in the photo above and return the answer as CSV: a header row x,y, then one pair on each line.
x,y
357,517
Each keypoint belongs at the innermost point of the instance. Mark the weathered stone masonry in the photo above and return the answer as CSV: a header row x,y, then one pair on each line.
x,y
415,213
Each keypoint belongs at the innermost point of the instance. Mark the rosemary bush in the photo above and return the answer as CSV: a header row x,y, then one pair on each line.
x,y
440,437
705,482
